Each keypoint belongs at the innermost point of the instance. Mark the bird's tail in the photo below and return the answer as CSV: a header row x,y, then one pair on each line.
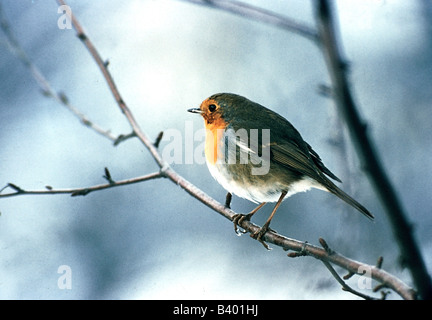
x,y
331,187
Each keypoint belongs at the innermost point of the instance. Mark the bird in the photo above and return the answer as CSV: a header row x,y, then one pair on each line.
x,y
256,154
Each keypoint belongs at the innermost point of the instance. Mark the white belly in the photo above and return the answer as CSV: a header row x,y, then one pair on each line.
x,y
263,192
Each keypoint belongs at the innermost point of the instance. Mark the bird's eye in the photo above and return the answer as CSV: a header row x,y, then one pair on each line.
x,y
212,107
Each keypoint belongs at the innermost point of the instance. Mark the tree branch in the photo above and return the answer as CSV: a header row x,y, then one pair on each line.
x,y
18,191
345,287
43,83
113,87
259,14
402,229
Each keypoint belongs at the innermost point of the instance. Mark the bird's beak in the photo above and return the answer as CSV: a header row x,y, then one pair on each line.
x,y
195,110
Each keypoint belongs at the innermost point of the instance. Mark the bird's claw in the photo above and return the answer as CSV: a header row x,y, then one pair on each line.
x,y
260,233
237,220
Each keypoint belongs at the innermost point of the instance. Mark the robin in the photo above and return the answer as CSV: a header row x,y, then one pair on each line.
x,y
287,164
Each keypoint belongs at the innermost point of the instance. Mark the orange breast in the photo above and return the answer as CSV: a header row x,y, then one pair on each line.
x,y
214,139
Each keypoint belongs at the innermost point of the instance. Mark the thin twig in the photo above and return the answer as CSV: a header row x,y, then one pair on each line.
x,y
345,286
124,137
77,191
43,83
343,283
261,15
103,66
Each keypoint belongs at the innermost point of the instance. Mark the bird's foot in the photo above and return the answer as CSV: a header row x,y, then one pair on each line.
x,y
260,233
238,220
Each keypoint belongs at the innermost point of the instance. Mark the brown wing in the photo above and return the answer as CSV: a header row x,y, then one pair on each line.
x,y
310,164
301,159
317,160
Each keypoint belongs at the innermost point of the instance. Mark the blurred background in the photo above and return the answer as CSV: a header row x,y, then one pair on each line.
x,y
152,240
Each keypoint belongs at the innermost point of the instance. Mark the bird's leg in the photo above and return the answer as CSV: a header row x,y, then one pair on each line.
x,y
259,234
228,200
239,218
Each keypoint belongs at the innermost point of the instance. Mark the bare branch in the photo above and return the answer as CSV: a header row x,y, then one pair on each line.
x,y
347,108
343,284
43,83
124,137
300,248
103,66
261,15
78,191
